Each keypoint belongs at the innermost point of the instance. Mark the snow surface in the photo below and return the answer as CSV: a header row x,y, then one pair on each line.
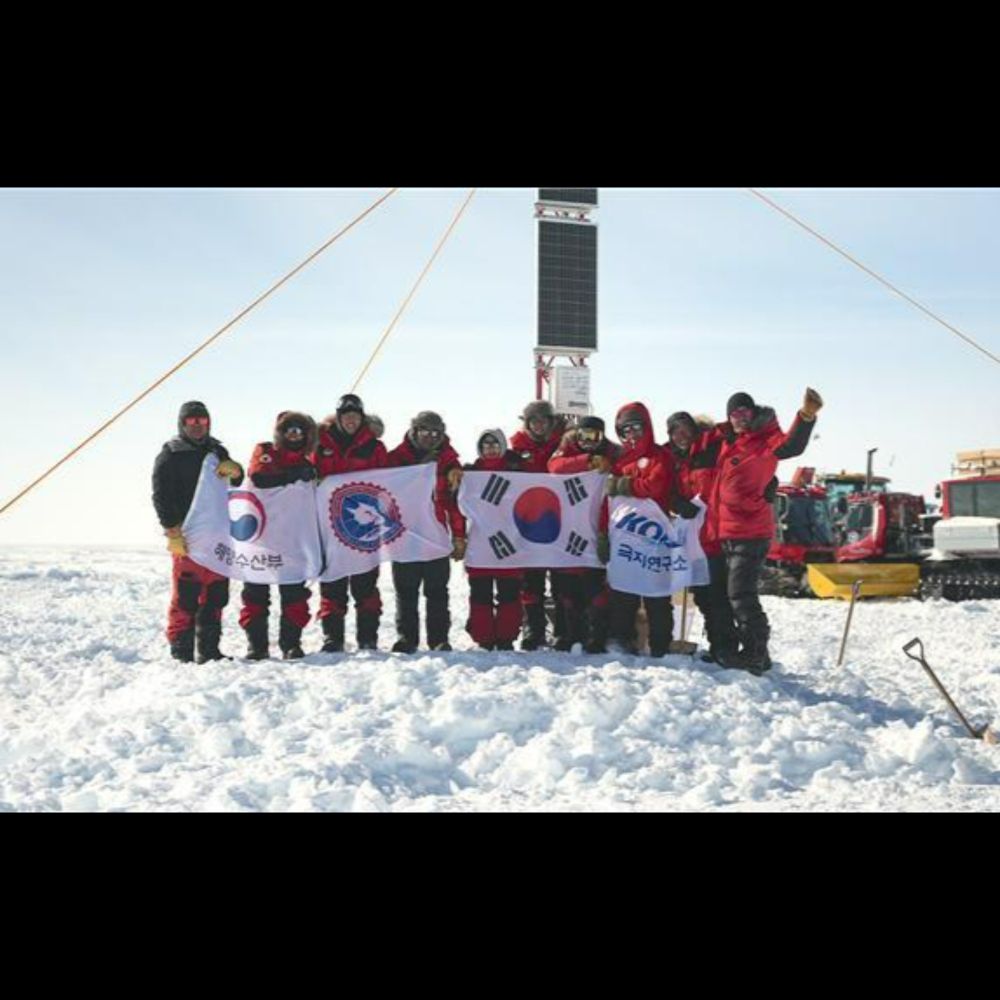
x,y
94,715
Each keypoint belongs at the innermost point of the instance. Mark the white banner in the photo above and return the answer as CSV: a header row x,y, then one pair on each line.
x,y
379,515
520,520
653,554
258,536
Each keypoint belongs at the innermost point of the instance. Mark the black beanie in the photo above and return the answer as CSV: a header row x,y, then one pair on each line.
x,y
681,417
591,424
191,409
350,404
738,400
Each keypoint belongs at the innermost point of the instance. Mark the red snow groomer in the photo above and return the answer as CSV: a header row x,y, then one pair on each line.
x,y
803,534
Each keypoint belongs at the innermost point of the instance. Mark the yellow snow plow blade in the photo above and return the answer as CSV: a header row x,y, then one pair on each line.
x,y
879,579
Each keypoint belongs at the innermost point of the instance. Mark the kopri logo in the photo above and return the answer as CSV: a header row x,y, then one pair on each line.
x,y
628,519
364,517
246,516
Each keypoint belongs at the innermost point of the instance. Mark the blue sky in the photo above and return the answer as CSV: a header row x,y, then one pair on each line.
x,y
701,292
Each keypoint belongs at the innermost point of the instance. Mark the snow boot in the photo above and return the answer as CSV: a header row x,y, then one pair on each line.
x,y
333,633
257,646
182,648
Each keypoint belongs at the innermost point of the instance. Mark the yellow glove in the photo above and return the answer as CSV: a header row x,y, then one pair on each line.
x,y
600,463
454,479
458,549
229,470
812,403
176,545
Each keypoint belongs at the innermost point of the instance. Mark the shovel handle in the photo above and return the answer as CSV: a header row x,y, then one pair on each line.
x,y
910,645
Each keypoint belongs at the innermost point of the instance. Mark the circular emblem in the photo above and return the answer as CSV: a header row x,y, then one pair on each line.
x,y
364,517
643,462
246,516
265,458
537,515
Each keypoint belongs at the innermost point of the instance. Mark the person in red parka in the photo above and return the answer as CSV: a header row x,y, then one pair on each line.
x,y
536,442
426,441
643,471
494,626
694,447
583,592
740,509
280,463
348,442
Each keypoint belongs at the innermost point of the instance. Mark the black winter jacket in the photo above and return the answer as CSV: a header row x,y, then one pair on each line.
x,y
175,476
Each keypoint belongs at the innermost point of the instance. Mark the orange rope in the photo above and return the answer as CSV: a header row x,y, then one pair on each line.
x,y
180,364
877,277
406,301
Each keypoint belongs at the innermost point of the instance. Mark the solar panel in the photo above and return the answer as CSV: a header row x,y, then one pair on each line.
x,y
567,285
569,196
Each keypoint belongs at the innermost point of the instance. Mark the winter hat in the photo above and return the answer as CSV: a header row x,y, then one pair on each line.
x,y
591,424
739,400
681,417
191,409
350,404
427,420
538,408
492,436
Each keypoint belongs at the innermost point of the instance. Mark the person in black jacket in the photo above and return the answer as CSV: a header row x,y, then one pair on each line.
x,y
198,594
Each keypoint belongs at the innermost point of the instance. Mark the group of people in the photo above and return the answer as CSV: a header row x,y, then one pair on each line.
x,y
730,465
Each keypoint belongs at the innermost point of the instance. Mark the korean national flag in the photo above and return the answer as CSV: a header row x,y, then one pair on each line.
x,y
522,520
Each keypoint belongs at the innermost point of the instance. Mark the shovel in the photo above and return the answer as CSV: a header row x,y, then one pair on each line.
x,y
984,733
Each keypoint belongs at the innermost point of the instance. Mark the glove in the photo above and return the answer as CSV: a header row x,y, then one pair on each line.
x,y
458,549
603,548
812,403
624,486
176,545
685,508
454,478
600,463
229,469
771,490
306,473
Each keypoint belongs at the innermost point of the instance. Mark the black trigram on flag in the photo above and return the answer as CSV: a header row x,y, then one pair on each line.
x,y
576,545
501,545
575,490
496,487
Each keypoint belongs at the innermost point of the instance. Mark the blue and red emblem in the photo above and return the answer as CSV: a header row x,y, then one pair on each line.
x,y
364,517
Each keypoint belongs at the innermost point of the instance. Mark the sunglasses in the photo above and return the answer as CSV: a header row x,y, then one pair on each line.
x,y
429,432
294,431
632,427
590,435
196,421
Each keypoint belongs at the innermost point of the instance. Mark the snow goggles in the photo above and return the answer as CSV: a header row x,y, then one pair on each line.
x,y
632,427
294,430
590,435
431,432
196,421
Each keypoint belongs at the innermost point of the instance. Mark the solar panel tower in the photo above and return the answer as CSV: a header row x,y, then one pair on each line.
x,y
567,296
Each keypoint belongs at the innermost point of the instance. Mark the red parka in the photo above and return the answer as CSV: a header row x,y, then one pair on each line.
x,y
339,452
747,463
445,505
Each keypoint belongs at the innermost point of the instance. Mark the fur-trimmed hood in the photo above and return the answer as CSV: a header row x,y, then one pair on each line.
x,y
288,417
